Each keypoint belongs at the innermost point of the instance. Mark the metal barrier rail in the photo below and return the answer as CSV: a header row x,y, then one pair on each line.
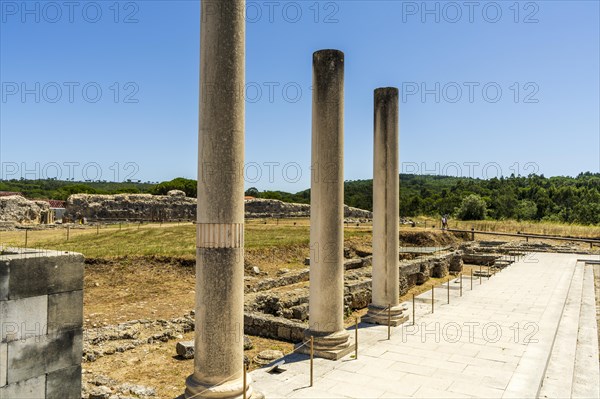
x,y
591,241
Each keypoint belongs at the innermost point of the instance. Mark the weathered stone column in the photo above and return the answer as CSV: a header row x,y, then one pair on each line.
x,y
386,218
326,303
219,356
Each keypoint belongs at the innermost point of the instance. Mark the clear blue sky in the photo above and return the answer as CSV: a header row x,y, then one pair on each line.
x,y
543,56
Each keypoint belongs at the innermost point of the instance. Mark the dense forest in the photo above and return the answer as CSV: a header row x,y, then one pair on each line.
x,y
535,197
559,199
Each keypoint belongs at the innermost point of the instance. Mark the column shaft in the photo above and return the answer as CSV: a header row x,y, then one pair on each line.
x,y
326,304
219,356
386,218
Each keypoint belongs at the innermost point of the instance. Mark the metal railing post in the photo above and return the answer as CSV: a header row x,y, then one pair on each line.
x,y
245,381
389,321
356,338
312,356
413,303
449,291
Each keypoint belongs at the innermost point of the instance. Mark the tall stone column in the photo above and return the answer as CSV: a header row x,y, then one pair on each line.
x,y
219,356
386,217
326,303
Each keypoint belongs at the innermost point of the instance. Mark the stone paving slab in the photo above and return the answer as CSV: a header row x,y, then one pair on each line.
x,y
586,378
493,342
556,384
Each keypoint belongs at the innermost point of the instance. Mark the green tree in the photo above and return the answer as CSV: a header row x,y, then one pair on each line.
x,y
188,186
472,207
526,210
252,192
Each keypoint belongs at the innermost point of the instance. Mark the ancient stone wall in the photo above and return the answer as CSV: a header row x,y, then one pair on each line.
x,y
134,207
176,206
17,209
266,325
284,314
268,208
41,313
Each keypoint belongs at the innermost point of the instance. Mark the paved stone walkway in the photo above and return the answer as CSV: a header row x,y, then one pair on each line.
x,y
494,341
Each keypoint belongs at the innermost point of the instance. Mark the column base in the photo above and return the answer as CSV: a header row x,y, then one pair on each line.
x,y
232,389
332,346
379,315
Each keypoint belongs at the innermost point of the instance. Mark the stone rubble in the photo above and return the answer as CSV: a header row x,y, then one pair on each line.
x,y
96,386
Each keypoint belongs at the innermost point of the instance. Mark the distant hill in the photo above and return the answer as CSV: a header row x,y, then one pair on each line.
x,y
535,197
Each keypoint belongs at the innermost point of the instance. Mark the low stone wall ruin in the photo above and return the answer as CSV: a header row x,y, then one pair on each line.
x,y
284,314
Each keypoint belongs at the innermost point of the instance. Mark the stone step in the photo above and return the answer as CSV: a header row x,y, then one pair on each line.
x,y
586,381
558,379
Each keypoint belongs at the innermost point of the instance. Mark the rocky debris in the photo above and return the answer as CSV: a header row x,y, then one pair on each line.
x,y
176,193
349,253
185,349
101,392
456,262
362,253
358,263
300,312
108,340
283,271
277,303
248,343
17,209
255,270
306,261
288,278
422,275
97,386
268,356
145,207
440,267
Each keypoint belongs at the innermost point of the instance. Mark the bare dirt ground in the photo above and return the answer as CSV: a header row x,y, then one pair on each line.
x,y
161,288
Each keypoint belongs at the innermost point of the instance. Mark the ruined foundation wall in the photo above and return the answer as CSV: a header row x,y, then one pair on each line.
x,y
41,313
177,207
135,207
284,314
268,208
17,209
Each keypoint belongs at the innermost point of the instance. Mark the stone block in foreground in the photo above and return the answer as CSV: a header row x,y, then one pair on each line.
x,y
41,321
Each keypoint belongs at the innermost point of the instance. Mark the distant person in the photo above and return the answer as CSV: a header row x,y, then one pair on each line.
x,y
444,222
